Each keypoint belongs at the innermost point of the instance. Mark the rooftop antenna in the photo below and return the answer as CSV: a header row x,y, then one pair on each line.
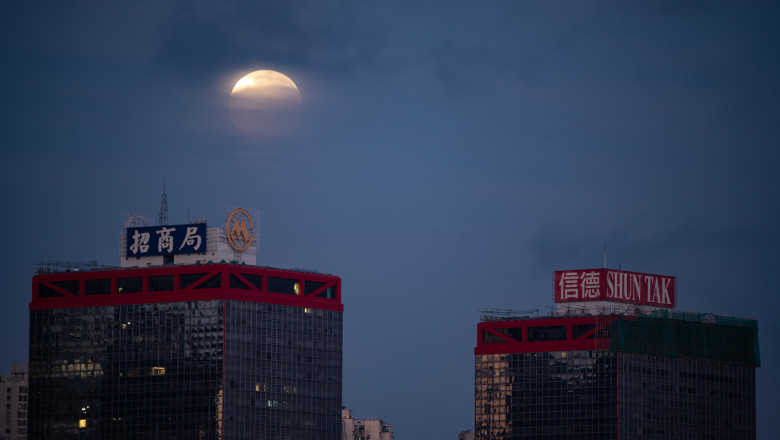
x,y
164,208
605,255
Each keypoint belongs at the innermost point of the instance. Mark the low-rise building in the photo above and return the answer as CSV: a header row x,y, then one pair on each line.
x,y
364,429
13,392
466,435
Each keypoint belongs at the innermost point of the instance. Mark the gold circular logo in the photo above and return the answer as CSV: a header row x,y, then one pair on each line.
x,y
238,234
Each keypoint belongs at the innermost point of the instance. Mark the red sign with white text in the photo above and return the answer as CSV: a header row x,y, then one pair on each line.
x,y
614,285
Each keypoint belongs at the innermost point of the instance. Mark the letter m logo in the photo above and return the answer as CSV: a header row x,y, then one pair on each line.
x,y
239,235
240,232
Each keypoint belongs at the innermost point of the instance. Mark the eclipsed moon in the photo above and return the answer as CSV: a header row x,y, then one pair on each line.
x,y
265,104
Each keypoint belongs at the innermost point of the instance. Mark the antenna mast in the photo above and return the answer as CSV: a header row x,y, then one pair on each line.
x,y
164,208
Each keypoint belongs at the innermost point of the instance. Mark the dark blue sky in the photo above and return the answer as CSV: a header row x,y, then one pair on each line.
x,y
449,159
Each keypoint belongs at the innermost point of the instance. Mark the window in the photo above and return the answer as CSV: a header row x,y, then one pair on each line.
x,y
97,287
214,281
161,283
189,278
283,285
235,283
70,286
547,333
253,279
581,329
129,285
490,338
47,292
311,286
515,333
327,293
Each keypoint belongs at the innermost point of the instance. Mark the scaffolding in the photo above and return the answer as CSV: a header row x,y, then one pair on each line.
x,y
683,334
507,315
59,266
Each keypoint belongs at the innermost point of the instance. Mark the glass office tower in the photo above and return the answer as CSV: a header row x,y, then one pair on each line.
x,y
655,375
186,352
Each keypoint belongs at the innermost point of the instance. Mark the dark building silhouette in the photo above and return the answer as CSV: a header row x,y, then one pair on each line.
x,y
609,366
199,351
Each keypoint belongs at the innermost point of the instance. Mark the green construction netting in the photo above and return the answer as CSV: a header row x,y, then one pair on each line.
x,y
677,334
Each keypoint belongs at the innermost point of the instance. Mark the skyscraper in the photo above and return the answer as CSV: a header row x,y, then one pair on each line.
x,y
615,362
186,351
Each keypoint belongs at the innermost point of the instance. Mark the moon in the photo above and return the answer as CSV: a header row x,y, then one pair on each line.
x,y
265,105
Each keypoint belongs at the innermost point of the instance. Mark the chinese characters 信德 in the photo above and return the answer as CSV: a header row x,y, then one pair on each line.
x,y
585,285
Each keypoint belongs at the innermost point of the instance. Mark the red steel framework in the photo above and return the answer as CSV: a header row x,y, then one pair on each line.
x,y
595,339
193,292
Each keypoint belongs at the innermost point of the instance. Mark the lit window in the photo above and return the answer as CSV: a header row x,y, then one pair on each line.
x,y
82,423
158,371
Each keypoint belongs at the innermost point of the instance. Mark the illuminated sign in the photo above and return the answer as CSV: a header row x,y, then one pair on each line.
x,y
614,285
166,240
239,233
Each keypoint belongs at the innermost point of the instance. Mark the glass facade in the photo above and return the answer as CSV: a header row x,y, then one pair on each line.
x,y
547,395
666,397
282,372
599,394
208,369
